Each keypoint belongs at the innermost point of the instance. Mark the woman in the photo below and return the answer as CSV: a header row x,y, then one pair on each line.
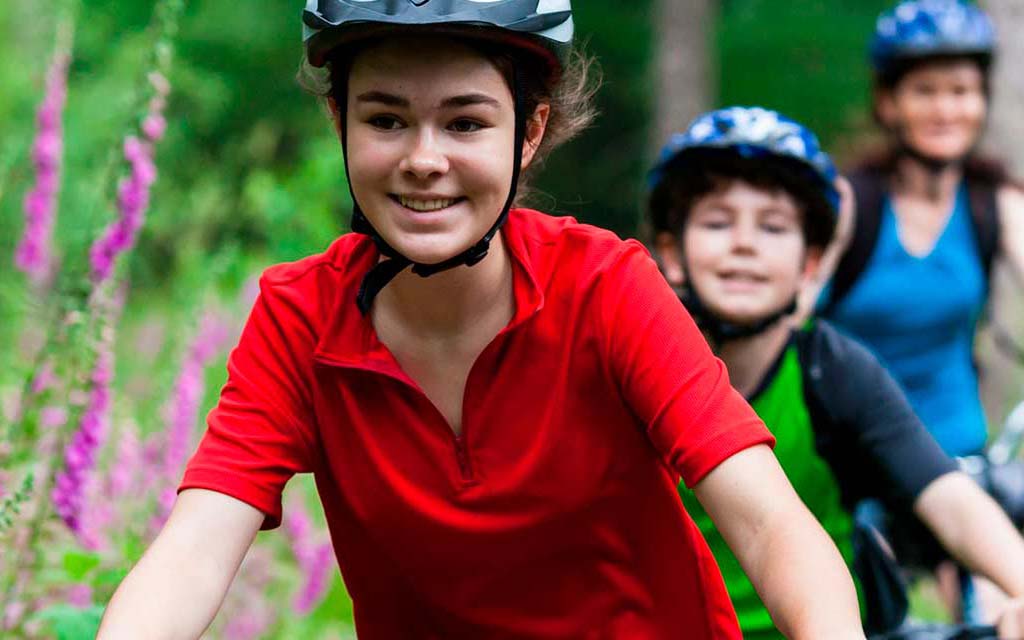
x,y
931,216
491,430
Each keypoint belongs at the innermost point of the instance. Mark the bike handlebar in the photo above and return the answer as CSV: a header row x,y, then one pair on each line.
x,y
939,632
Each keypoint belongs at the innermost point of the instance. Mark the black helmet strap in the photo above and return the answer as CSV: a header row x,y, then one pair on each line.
x,y
385,271
717,328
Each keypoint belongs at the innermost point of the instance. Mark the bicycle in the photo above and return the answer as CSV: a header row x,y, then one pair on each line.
x,y
1001,475
913,631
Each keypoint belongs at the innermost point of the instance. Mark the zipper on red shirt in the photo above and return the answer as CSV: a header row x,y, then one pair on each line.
x,y
462,457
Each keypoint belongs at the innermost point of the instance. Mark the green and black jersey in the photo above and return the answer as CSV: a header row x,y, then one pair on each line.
x,y
844,431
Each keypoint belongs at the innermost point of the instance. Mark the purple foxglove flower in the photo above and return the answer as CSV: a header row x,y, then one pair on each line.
x,y
315,561
133,191
34,254
80,455
211,338
317,573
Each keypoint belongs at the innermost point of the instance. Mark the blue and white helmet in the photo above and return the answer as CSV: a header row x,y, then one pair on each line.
x,y
751,132
542,26
924,28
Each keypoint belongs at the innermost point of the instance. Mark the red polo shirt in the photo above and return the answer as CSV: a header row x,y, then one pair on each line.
x,y
555,514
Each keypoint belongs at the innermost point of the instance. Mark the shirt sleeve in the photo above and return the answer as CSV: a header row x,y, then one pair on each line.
x,y
893,456
667,374
258,434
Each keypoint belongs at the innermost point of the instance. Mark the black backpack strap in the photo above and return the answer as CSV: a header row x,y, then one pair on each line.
x,y
808,349
869,190
982,198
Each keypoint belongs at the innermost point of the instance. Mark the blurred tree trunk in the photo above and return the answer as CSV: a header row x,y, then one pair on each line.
x,y
1006,133
1002,378
685,82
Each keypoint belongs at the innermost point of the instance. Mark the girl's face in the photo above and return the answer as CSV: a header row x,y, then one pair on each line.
x,y
938,108
431,128
745,251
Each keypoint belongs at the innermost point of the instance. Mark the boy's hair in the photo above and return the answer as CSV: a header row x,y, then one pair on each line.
x,y
689,179
570,95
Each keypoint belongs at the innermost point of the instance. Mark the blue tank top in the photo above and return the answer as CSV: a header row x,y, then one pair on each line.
x,y
919,315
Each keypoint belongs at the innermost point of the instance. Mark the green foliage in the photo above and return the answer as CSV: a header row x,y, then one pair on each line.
x,y
11,506
72,623
806,58
78,565
598,178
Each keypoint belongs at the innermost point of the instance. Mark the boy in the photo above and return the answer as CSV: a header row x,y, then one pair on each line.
x,y
743,206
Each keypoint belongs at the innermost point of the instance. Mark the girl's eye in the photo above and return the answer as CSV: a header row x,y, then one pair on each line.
x,y
386,123
465,126
775,229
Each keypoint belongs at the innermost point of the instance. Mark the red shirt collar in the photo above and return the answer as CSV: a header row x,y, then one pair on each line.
x,y
350,340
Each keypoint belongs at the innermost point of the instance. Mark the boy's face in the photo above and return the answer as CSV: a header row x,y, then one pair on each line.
x,y
745,251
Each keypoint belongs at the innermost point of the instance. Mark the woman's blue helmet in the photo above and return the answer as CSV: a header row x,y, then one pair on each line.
x,y
751,132
916,29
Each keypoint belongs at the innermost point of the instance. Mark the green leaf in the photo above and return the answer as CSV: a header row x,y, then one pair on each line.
x,y
72,623
109,577
78,564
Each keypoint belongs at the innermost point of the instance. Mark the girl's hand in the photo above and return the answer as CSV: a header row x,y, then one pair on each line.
x,y
1011,620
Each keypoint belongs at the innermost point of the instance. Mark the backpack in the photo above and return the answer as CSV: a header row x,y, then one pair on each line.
x,y
869,186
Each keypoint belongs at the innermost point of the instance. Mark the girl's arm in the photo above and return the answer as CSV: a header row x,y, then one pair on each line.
x,y
1011,230
975,530
177,587
789,558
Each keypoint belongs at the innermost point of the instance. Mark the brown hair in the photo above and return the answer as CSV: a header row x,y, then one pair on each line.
x,y
570,93
691,178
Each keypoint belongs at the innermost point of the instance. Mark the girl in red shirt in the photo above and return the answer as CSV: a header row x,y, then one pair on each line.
x,y
496,404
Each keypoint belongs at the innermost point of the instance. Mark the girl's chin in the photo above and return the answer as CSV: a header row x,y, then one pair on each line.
x,y
432,254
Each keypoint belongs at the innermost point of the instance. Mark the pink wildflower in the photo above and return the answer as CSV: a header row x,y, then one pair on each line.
x,y
316,561
188,393
80,455
129,460
133,191
34,254
44,378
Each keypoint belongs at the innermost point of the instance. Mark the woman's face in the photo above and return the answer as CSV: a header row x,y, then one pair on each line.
x,y
938,108
745,251
431,128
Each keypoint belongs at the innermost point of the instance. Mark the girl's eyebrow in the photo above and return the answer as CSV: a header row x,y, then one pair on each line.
x,y
470,99
388,99
464,100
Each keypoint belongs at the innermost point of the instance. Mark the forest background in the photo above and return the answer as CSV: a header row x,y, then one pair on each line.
x,y
248,173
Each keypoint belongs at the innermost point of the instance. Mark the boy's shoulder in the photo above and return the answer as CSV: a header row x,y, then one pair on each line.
x,y
824,347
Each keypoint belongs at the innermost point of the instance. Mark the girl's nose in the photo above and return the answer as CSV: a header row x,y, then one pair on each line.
x,y
425,158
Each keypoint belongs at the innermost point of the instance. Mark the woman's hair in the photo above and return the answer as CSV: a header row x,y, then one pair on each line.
x,y
688,180
978,168
570,94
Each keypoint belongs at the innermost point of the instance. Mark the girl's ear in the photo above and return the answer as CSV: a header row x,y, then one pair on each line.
x,y
335,113
535,128
670,257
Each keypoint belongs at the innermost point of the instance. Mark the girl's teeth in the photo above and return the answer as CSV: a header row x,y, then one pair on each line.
x,y
425,205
